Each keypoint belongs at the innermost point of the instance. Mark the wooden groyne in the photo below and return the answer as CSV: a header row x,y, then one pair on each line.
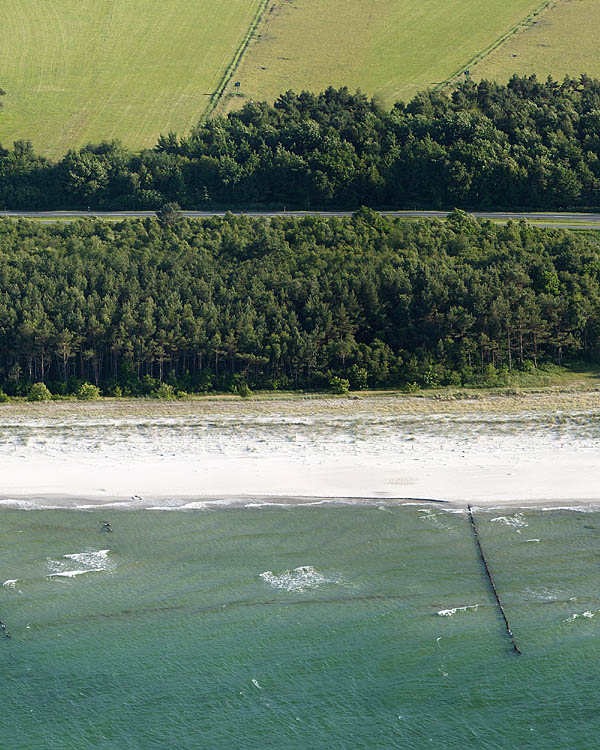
x,y
491,579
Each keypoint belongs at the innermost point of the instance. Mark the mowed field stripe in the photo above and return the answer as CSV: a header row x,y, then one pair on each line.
x,y
77,71
387,49
239,55
563,40
482,54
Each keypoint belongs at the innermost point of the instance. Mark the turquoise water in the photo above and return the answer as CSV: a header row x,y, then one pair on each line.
x,y
298,627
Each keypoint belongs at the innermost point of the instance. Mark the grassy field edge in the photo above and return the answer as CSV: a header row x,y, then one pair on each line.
x,y
215,99
482,54
552,384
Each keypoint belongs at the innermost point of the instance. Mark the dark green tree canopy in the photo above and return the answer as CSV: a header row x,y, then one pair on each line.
x,y
290,303
526,144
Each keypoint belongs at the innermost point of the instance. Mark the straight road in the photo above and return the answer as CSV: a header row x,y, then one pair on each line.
x,y
560,220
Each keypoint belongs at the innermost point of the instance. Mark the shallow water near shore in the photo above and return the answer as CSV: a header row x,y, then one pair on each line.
x,y
296,627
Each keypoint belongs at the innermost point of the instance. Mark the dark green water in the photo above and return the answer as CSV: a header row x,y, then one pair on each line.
x,y
177,641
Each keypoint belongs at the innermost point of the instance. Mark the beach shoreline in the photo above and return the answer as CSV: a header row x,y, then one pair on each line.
x,y
190,504
520,450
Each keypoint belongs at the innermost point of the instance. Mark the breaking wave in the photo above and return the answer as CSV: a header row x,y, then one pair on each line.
x,y
454,610
587,615
298,579
517,521
90,561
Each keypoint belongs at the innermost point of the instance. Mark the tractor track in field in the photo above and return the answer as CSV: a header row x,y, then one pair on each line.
x,y
237,58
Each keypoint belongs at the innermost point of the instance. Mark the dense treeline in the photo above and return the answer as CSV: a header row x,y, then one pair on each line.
x,y
526,144
290,303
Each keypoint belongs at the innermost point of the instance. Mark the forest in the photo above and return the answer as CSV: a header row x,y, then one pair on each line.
x,y
523,145
232,303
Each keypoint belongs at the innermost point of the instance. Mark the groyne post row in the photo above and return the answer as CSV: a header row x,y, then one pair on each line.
x,y
491,579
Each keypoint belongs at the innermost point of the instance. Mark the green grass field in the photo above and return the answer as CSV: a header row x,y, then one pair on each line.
x,y
391,49
563,40
77,71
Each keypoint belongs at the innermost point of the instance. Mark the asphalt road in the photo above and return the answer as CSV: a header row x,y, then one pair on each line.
x,y
561,220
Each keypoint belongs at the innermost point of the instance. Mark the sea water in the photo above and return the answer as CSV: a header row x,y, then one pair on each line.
x,y
298,626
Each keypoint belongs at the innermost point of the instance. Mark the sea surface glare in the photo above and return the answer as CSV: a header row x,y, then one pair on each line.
x,y
310,626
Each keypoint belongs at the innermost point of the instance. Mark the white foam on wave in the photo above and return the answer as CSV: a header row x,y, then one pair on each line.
x,y
298,579
306,503
27,504
97,559
199,505
517,521
436,518
590,508
454,610
265,505
70,573
445,509
104,505
584,507
543,593
164,507
10,583
90,561
587,615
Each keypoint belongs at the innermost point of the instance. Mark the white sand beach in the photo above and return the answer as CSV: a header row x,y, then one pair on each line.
x,y
500,451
